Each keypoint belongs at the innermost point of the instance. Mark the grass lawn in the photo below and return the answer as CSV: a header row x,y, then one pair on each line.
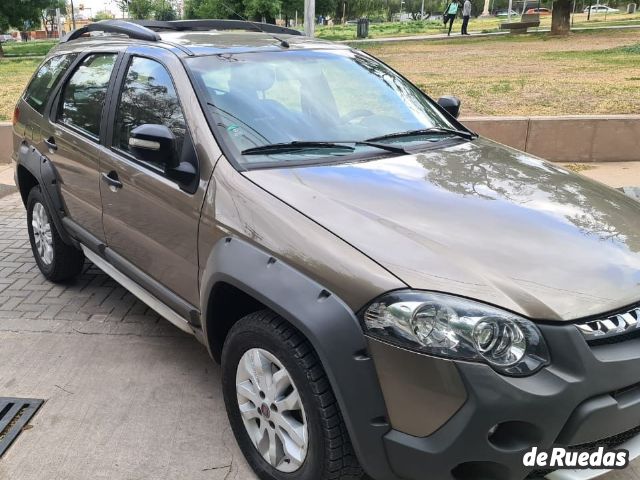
x,y
584,74
16,68
485,25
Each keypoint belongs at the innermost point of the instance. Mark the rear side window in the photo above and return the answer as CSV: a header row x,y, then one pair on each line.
x,y
45,78
84,94
148,96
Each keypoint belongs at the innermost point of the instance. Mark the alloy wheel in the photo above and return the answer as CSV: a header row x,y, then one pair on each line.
x,y
42,233
272,410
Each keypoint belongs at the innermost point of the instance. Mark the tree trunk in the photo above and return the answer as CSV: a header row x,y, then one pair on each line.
x,y
561,17
1,51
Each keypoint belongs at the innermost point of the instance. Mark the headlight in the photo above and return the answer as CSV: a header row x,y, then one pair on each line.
x,y
454,327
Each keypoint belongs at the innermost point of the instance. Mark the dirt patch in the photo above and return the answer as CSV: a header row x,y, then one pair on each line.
x,y
531,75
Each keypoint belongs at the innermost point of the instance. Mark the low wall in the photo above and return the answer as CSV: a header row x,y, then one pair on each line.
x,y
6,142
607,138
612,138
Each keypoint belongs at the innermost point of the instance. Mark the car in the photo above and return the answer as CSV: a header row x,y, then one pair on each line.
x,y
601,9
387,292
4,38
539,11
505,13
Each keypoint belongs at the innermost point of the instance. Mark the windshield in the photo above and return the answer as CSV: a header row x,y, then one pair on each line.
x,y
312,96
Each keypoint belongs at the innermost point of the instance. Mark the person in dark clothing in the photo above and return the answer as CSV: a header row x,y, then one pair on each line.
x,y
450,14
466,13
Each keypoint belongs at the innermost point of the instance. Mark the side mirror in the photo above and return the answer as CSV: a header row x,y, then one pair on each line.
x,y
451,105
155,144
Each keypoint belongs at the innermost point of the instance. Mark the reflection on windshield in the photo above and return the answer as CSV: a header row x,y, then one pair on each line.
x,y
321,95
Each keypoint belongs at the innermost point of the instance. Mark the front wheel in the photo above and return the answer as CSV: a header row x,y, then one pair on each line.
x,y
280,404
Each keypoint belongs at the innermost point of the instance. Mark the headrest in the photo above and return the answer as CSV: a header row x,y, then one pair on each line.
x,y
254,77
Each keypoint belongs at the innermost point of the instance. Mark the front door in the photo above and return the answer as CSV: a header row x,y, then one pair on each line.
x,y
148,219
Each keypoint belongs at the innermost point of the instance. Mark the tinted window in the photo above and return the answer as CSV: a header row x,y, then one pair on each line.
x,y
44,79
148,96
84,94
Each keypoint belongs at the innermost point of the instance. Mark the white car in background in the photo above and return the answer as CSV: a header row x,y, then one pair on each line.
x,y
6,38
601,9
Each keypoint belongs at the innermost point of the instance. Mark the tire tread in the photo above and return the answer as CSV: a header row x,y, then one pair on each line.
x,y
342,462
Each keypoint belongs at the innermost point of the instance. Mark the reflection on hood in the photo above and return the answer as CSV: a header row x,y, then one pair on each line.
x,y
480,220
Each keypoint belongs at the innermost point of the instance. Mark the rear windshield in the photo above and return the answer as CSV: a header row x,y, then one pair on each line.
x,y
45,78
267,98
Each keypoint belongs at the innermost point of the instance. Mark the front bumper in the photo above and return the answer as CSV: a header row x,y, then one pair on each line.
x,y
587,394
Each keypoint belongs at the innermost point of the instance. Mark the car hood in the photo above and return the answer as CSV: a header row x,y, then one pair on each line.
x,y
480,220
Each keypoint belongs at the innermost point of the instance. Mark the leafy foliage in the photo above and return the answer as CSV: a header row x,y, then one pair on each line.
x,y
150,9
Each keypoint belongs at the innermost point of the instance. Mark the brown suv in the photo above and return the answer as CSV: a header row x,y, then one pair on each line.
x,y
387,292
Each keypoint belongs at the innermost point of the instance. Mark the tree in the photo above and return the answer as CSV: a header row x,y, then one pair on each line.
x,y
49,15
234,9
163,10
20,14
561,17
103,15
123,6
259,9
141,9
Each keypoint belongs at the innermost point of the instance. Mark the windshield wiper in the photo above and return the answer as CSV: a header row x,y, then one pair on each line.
x,y
426,131
297,146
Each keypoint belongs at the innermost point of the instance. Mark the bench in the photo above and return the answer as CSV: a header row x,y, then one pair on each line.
x,y
527,20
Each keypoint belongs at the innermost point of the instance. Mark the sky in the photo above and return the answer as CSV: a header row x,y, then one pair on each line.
x,y
97,6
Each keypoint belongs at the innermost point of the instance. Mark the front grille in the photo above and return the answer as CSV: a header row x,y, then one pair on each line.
x,y
617,327
609,443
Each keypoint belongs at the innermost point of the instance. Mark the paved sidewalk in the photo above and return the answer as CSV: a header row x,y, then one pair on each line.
x,y
128,396
444,36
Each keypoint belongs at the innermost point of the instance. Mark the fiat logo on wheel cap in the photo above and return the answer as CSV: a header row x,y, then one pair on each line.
x,y
264,410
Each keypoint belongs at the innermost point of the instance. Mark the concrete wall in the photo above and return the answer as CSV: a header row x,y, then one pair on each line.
x,y
610,138
613,138
6,143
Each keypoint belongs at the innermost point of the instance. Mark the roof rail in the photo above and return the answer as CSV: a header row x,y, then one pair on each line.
x,y
204,25
132,30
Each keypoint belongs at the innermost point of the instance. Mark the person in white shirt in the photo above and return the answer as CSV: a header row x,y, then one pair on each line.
x,y
466,13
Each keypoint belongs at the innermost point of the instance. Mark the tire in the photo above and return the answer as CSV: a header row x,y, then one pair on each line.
x,y
328,454
56,260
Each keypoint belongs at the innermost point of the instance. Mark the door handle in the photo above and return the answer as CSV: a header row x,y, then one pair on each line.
x,y
51,143
112,180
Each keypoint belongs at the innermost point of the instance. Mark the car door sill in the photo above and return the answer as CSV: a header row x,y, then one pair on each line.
x,y
138,291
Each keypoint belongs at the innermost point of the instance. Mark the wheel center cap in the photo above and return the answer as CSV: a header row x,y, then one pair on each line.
x,y
264,410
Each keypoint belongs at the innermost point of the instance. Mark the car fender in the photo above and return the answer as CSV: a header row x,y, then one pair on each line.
x,y
327,322
47,177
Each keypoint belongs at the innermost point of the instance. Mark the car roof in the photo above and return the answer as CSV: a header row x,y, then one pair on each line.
x,y
188,38
215,42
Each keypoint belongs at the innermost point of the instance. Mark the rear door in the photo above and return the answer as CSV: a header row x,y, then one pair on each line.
x,y
71,136
149,219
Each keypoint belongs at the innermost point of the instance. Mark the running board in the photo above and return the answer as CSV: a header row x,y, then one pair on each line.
x,y
146,297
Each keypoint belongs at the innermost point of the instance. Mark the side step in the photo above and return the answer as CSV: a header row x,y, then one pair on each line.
x,y
139,292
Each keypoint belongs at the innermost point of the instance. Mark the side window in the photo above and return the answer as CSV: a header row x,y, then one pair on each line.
x,y
84,94
147,97
45,78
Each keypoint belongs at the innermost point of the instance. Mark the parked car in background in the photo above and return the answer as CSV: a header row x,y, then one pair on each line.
x,y
539,11
601,9
4,38
505,13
